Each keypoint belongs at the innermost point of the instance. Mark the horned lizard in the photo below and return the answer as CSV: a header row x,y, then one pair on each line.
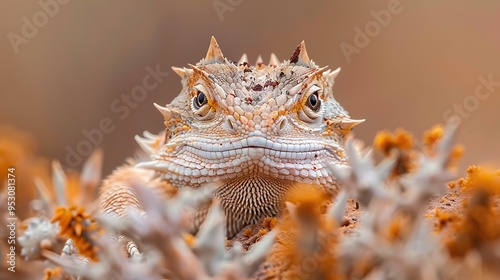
x,y
256,130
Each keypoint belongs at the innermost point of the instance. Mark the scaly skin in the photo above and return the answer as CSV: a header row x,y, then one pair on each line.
x,y
256,130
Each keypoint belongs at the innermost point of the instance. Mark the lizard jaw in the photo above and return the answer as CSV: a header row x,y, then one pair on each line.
x,y
203,160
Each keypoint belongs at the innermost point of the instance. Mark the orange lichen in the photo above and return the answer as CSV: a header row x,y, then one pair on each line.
x,y
455,155
443,219
480,223
189,239
478,227
432,136
482,178
385,141
452,185
309,200
398,229
305,247
51,274
401,141
430,139
74,223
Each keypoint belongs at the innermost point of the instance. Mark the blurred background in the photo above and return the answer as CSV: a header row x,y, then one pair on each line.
x,y
67,67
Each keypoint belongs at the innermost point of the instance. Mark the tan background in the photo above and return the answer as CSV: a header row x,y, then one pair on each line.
x,y
426,59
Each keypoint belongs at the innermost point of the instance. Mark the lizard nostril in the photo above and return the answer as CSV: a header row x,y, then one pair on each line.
x,y
282,123
230,124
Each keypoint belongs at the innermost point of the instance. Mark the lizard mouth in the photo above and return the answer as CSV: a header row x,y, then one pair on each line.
x,y
257,142
206,159
256,147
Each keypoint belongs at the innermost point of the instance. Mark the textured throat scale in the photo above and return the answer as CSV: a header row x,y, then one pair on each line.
x,y
256,130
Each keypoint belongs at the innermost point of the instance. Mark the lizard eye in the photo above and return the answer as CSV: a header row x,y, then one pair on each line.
x,y
311,110
313,101
199,100
201,109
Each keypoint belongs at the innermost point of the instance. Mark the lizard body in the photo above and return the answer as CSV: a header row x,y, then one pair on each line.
x,y
256,130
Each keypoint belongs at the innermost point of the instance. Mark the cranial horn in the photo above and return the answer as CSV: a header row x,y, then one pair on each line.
x,y
259,61
166,112
214,53
321,71
196,69
334,74
300,56
243,59
348,124
182,72
145,144
274,61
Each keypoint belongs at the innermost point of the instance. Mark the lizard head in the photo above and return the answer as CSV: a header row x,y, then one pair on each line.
x,y
231,119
